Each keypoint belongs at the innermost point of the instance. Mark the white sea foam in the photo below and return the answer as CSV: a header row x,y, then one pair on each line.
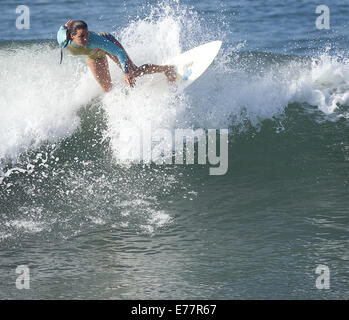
x,y
325,84
39,98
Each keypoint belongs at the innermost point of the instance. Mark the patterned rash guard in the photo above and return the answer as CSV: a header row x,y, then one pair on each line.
x,y
98,45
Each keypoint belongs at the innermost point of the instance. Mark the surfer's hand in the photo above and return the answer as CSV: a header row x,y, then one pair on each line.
x,y
69,23
130,80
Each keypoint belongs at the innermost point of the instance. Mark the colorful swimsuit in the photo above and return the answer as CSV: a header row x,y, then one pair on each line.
x,y
98,45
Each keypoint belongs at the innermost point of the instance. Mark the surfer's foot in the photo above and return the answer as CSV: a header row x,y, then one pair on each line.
x,y
170,73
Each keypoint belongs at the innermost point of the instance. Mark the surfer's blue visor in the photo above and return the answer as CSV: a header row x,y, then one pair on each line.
x,y
62,39
62,36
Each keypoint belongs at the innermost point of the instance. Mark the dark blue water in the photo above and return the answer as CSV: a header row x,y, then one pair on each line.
x,y
89,224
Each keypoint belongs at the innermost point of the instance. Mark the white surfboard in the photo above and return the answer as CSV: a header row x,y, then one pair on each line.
x,y
191,64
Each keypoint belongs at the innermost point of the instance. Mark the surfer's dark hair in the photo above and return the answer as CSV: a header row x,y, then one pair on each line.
x,y
73,30
74,27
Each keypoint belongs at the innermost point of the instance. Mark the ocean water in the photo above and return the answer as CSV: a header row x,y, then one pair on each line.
x,y
92,223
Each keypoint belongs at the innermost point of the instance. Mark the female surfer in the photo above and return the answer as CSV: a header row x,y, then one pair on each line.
x,y
76,37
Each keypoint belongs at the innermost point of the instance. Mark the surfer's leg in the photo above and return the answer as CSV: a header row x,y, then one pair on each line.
x,y
138,71
153,68
100,71
145,68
